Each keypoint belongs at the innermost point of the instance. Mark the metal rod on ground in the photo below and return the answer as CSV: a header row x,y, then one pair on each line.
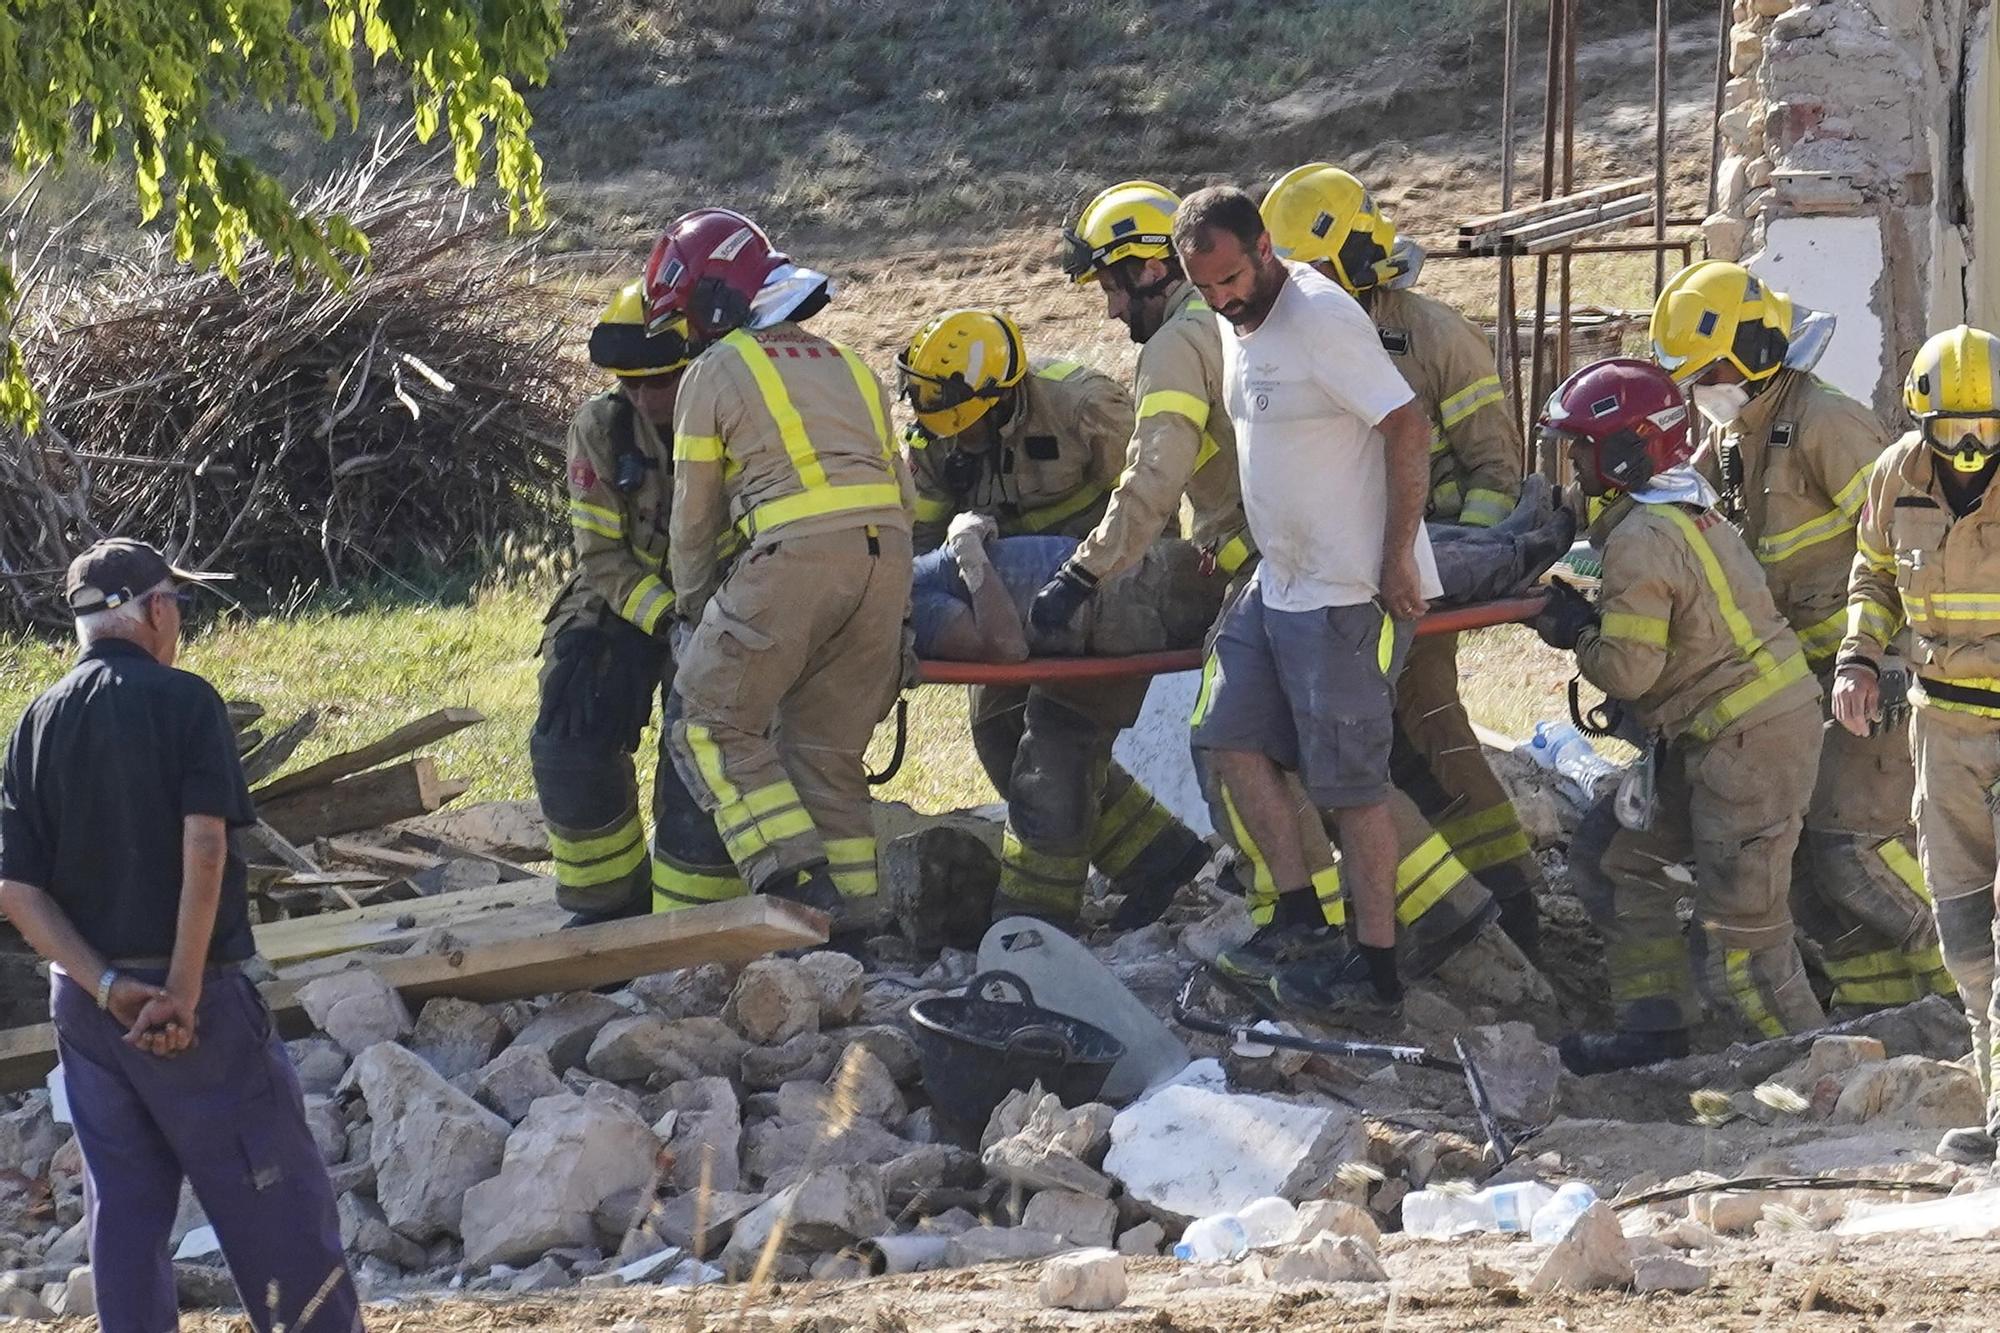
x,y
1537,390
1724,10
1659,144
1508,321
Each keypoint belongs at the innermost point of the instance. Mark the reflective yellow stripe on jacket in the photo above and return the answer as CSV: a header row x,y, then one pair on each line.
x,y
819,496
1772,675
1775,547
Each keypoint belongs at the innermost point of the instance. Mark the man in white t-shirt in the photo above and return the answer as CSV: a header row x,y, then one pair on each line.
x,y
1334,455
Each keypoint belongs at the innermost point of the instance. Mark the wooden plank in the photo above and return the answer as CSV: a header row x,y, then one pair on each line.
x,y
512,830
509,872
329,879
284,942
382,858
364,801
1547,208
410,736
617,951
284,743
279,849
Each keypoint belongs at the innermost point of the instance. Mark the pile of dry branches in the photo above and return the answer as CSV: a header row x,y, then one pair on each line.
x,y
295,434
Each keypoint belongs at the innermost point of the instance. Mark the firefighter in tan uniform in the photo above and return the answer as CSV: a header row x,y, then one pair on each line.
x,y
604,648
1791,456
1929,557
1321,215
1184,446
1037,445
794,652
1686,636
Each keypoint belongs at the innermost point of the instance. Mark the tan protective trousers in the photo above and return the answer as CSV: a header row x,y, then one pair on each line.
x,y
1734,806
1857,890
1440,763
795,661
1958,787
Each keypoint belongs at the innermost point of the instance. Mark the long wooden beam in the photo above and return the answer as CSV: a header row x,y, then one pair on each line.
x,y
426,730
549,961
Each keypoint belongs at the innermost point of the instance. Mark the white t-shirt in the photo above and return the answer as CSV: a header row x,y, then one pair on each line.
x,y
1305,392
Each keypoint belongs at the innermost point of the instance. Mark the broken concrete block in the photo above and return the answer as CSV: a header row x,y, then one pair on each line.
x,y
1837,1055
1143,1241
895,1048
542,1275
777,1153
687,992
1519,1070
707,1045
565,1030
1912,1090
1080,1219
700,1223
706,1136
1190,1152
515,1080
356,1008
862,1085
939,883
1091,1279
431,1142
808,1057
323,1119
364,1230
985,1245
930,1167
1010,1114
1328,1217
839,980
457,1036
1593,1255
319,1062
1326,1258
775,1000
831,1207
1224,928
1727,1211
1666,1272
565,1159
626,1050
1031,1164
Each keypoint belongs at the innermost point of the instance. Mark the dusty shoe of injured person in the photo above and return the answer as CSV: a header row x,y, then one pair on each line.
x,y
1484,564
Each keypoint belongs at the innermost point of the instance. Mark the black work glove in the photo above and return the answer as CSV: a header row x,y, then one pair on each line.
x,y
1060,598
1566,616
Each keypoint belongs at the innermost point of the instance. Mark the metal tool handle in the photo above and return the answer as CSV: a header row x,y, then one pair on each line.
x,y
1040,1041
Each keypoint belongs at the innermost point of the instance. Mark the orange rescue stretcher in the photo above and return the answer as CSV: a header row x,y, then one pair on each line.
x,y
1046,670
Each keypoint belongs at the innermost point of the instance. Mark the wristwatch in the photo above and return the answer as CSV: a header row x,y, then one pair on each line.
x,y
104,985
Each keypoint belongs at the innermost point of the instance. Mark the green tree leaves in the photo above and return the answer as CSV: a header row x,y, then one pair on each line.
x,y
141,81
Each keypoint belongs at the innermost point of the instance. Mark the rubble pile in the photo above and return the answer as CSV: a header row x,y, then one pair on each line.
x,y
770,1124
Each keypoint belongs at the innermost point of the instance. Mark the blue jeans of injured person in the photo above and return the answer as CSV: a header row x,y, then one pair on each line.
x,y
226,1116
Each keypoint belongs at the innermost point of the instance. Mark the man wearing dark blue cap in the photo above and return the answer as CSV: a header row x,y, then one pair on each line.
x,y
117,796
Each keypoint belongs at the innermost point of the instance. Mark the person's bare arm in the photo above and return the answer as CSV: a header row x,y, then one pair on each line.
x,y
204,848
49,932
1406,435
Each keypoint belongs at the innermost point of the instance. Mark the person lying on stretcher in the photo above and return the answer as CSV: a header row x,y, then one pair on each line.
x,y
969,599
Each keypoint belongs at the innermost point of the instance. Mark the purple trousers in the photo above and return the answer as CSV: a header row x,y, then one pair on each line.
x,y
228,1117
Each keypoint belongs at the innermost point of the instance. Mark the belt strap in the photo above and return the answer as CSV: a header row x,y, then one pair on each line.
x,y
1946,692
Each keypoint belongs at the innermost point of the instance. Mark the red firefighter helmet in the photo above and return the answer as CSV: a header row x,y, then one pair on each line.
x,y
1629,416
707,268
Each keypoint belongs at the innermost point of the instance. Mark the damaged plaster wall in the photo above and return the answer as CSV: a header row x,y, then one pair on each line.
x,y
1855,174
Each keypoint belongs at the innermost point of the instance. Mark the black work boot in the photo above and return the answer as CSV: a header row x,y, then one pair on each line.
x,y
1297,933
1337,991
636,905
1521,918
1147,904
1606,1052
812,887
1972,1145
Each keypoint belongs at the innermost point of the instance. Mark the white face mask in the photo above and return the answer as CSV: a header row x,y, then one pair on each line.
x,y
1720,404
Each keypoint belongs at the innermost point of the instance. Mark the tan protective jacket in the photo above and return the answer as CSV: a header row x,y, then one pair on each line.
x,y
1449,365
779,431
1915,563
1688,635
1183,444
621,492
1049,472
1793,472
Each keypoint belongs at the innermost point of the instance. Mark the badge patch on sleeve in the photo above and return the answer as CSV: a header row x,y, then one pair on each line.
x,y
581,474
1781,435
1396,342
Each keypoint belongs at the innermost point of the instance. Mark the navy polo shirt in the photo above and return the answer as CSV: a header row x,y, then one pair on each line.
x,y
101,771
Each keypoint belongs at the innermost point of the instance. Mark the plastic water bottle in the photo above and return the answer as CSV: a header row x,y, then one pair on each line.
x,y
1439,1214
1213,1239
1268,1221
1515,1204
1562,749
1554,1219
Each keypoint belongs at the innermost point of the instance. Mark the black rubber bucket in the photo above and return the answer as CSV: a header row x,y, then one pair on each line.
x,y
975,1049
